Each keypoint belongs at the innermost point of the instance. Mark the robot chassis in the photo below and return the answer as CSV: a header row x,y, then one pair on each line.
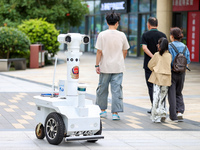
x,y
69,116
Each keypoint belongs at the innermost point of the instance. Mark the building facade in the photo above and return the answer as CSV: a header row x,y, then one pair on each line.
x,y
134,14
186,14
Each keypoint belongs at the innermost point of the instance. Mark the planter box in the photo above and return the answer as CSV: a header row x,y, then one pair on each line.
x,y
4,65
19,63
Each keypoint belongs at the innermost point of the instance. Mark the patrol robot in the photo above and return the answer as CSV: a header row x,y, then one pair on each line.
x,y
70,115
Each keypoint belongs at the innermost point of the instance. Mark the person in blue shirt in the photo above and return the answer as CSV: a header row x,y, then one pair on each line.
x,y
175,97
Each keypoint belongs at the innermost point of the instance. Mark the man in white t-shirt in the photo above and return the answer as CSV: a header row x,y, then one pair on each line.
x,y
112,46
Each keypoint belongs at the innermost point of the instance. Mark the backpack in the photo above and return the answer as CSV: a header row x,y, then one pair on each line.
x,y
180,61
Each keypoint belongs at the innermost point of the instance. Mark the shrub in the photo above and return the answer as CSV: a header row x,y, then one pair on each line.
x,y
13,43
40,31
9,23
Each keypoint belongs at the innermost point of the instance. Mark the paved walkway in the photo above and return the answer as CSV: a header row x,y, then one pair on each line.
x,y
134,131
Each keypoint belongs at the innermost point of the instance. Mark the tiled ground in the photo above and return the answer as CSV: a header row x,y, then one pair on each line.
x,y
134,131
17,111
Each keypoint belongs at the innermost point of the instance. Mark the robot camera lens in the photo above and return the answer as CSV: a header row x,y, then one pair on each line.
x,y
68,39
86,39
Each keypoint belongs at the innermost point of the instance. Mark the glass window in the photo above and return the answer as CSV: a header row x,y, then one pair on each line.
x,y
90,6
180,20
97,6
143,28
124,23
91,33
153,5
97,24
104,23
153,14
143,24
134,6
184,27
144,5
97,28
133,35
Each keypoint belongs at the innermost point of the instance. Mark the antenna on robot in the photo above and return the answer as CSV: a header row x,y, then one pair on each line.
x,y
54,74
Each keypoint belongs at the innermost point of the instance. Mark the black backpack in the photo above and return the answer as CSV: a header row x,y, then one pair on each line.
x,y
180,61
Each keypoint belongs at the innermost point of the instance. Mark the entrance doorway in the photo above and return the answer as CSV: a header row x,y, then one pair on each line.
x,y
180,20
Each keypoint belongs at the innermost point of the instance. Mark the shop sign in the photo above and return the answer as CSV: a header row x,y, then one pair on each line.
x,y
193,35
117,5
185,5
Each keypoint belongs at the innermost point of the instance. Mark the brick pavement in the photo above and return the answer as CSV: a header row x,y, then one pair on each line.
x,y
134,131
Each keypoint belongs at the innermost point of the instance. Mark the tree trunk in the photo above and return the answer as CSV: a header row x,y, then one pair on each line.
x,y
8,53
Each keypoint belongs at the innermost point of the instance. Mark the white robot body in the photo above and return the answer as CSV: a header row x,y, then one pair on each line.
x,y
73,41
78,118
73,60
75,117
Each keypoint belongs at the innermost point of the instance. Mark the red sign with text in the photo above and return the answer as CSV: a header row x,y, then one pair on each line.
x,y
185,5
193,35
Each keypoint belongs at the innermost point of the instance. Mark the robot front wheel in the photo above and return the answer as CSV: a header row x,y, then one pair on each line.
x,y
54,128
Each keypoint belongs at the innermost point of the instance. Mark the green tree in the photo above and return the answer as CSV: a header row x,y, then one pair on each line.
x,y
60,12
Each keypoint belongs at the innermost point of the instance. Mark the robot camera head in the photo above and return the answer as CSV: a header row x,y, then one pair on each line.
x,y
64,38
73,39
85,39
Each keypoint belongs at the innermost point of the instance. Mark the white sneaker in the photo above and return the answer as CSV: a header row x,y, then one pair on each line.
x,y
115,117
158,120
103,114
180,115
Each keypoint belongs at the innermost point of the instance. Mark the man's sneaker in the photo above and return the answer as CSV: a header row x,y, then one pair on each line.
x,y
180,117
169,120
115,117
103,114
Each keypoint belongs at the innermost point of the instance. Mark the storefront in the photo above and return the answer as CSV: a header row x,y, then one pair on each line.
x,y
186,15
134,15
